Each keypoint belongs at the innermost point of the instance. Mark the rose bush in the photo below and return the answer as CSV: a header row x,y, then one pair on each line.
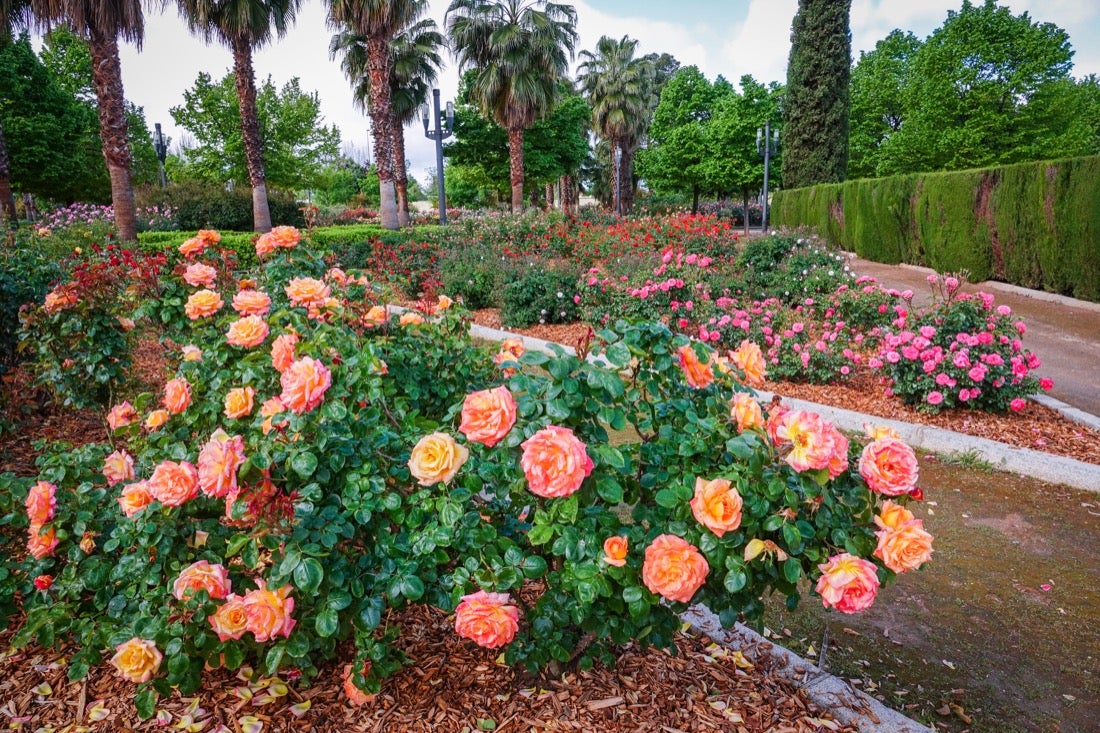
x,y
562,506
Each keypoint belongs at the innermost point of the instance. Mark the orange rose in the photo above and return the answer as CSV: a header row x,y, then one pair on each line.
x,y
41,544
409,318
750,360
208,236
838,461
156,418
717,505
134,498
60,298
286,237
674,568
376,316
173,484
199,274
177,395
121,415
304,384
268,410
307,291
239,402
488,415
247,332
118,467
436,458
282,351
265,245
889,467
230,621
137,660
336,275
192,353
697,374
193,247
510,350
614,550
555,462
219,460
812,445
269,612
443,303
356,696
777,413
874,432
904,547
41,502
847,583
893,515
201,575
746,411
202,304
488,619
252,303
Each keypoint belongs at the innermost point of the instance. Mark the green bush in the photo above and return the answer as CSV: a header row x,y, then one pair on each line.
x,y
473,274
25,275
539,293
204,206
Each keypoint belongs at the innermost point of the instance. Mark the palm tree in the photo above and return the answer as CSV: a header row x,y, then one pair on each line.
x,y
518,48
13,14
378,21
102,24
244,25
619,88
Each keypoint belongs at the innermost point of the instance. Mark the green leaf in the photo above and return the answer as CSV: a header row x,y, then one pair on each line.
x,y
327,622
540,534
304,464
792,570
567,509
449,514
308,576
533,566
273,658
736,580
667,498
146,703
291,558
334,410
235,544
618,355
632,594
609,490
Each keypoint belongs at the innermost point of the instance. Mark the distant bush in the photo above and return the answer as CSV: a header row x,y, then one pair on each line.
x,y
203,206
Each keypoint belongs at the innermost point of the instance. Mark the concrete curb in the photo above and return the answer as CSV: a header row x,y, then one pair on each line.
x,y
847,704
1015,290
1067,410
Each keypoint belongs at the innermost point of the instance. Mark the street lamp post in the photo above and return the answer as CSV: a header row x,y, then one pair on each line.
x,y
161,146
768,146
619,181
439,134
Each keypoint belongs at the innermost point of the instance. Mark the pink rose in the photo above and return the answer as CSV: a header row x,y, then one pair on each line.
x,y
487,618
555,462
201,575
847,583
488,415
268,612
118,467
889,467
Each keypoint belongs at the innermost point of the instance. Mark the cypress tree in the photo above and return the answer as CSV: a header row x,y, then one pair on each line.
x,y
815,116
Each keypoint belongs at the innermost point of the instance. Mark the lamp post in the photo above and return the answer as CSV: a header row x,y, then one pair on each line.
x,y
161,146
768,146
439,134
619,181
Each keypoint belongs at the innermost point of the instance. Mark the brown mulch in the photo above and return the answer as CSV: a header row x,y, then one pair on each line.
x,y
1037,427
450,685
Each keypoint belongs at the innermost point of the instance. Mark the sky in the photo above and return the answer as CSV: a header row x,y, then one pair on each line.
x,y
728,37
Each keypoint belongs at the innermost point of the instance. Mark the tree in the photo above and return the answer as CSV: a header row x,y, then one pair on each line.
x,y
244,25
13,14
296,145
989,88
101,24
815,116
877,107
520,49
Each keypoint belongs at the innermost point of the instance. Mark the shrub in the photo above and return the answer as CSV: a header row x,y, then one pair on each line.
x,y
26,273
539,293
475,274
204,206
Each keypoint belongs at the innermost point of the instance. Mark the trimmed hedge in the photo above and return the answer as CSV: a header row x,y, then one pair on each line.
x,y
1031,224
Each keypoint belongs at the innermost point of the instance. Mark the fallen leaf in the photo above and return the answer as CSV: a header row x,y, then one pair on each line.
x,y
301,708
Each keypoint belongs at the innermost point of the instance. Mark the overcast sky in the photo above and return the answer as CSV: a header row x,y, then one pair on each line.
x,y
728,37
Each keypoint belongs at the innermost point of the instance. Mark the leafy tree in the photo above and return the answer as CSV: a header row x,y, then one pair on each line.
x,y
296,145
345,181
878,107
13,14
244,25
815,116
519,49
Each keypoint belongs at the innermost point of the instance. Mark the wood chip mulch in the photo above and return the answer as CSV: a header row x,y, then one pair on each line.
x,y
450,685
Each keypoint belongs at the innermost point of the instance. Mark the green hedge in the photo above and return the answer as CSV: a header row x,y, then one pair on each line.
x,y
1031,224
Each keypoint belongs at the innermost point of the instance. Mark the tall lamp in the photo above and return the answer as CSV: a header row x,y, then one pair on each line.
x,y
768,146
442,131
161,146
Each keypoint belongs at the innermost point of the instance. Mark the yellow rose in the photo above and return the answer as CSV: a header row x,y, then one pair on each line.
x,y
436,457
137,660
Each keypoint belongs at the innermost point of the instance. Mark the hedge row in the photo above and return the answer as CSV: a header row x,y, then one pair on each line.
x,y
1031,224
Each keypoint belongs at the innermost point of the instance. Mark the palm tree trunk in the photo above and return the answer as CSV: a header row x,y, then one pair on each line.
x,y
400,175
107,79
381,112
7,200
515,162
250,131
568,202
616,176
549,195
628,178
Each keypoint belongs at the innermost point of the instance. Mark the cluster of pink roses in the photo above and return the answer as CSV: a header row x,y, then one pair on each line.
x,y
41,503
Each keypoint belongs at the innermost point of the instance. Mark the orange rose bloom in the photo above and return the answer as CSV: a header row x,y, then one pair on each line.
x,y
239,402
510,350
697,374
356,696
230,621
812,445
268,410
219,460
252,303
746,411
889,466
60,298
269,612
177,395
307,291
838,462
203,303
41,544
304,384
121,415
118,467
41,502
201,575
614,550
173,484
134,498
750,360
286,237
893,515
717,505
874,432
192,353
156,418
282,351
555,462
376,316
443,303
247,332
137,660
487,618
776,416
905,547
847,583
208,236
674,568
436,458
199,274
488,415
265,245
192,247
409,318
